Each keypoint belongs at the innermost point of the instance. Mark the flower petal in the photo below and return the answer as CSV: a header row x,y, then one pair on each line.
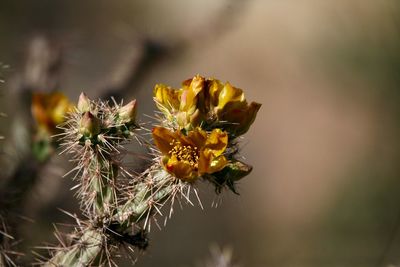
x,y
218,164
230,94
167,97
208,163
180,169
198,137
49,109
163,139
189,94
59,106
216,142
240,116
214,88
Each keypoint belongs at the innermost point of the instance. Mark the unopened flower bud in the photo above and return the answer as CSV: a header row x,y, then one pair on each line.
x,y
237,170
83,103
127,113
89,125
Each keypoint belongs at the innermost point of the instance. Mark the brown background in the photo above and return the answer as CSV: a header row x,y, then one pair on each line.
x,y
325,146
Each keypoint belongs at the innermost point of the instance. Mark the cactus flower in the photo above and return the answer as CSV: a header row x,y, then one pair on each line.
x,y
190,156
207,103
49,110
233,108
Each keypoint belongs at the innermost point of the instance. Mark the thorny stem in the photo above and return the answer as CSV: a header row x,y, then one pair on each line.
x,y
154,190
103,174
82,253
150,193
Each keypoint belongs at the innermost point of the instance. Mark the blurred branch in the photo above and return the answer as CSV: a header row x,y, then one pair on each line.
x,y
41,72
132,68
140,60
43,65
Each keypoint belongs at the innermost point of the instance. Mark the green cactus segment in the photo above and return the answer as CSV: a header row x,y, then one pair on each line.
x,y
102,179
95,132
84,252
153,191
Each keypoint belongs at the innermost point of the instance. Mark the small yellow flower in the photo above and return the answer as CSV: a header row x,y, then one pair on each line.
x,y
191,92
233,108
190,156
207,102
49,109
167,97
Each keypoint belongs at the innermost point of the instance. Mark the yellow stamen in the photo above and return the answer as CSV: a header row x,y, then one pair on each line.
x,y
187,154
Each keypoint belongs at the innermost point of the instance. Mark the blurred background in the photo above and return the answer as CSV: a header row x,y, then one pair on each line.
x,y
325,146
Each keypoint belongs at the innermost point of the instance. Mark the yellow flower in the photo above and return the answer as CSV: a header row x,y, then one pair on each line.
x,y
177,104
207,103
49,109
233,109
167,97
190,156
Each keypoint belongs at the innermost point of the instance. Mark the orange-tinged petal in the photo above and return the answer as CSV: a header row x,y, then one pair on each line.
x,y
216,142
230,94
189,94
214,89
38,109
204,162
49,109
208,163
239,116
198,137
59,108
251,116
179,169
163,139
186,141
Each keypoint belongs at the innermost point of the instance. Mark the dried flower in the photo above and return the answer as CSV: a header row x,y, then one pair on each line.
x,y
190,156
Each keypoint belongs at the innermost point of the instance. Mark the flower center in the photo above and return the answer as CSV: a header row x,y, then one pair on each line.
x,y
187,154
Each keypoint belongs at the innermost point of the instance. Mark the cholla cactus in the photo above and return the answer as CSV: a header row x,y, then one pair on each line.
x,y
93,133
195,140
